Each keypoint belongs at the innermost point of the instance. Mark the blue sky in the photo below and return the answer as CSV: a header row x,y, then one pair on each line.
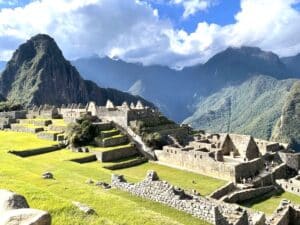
x,y
175,33
221,13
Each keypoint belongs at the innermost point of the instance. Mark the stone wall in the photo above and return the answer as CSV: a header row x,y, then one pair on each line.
x,y
285,214
21,128
127,164
114,141
249,169
292,160
222,191
37,151
247,194
204,208
197,161
14,114
113,155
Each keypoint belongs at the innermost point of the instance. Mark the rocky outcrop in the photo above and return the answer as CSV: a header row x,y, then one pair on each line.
x,y
287,127
38,68
10,200
14,210
25,217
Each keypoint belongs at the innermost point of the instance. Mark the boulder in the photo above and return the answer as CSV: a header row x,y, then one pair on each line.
x,y
25,217
47,175
10,200
84,208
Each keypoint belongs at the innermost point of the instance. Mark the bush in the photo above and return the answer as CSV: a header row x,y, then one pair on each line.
x,y
8,106
154,140
82,132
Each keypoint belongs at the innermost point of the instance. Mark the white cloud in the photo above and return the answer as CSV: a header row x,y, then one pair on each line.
x,y
193,6
133,31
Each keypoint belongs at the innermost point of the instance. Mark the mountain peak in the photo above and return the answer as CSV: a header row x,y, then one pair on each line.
x,y
39,74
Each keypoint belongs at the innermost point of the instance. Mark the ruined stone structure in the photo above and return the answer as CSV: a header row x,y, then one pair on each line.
x,y
43,111
123,114
205,208
227,156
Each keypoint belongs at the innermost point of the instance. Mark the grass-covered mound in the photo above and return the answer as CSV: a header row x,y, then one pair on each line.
x,y
23,175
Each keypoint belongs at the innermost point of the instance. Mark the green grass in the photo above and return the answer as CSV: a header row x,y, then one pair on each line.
x,y
21,141
109,131
23,175
269,203
112,137
103,149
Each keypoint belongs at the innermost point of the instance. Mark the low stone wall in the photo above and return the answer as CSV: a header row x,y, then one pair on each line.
x,y
48,136
113,141
222,191
247,194
204,208
20,128
123,165
57,128
289,186
86,159
285,214
249,169
36,122
113,155
37,151
109,134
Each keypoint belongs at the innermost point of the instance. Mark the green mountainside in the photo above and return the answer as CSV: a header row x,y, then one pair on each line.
x,y
38,74
250,108
287,128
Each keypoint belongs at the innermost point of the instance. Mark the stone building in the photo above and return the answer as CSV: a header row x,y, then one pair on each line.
x,y
227,156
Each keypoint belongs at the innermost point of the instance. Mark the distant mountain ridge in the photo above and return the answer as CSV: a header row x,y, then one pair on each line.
x,y
253,107
177,92
38,74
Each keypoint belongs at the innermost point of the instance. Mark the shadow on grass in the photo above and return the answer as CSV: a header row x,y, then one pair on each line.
x,y
273,194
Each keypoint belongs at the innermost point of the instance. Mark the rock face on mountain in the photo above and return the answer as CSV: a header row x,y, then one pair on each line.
x,y
287,127
250,108
38,74
177,92
293,64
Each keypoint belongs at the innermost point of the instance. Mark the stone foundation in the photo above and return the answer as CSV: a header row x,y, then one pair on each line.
x,y
204,208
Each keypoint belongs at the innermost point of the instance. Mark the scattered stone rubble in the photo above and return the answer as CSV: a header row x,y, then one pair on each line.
x,y
14,210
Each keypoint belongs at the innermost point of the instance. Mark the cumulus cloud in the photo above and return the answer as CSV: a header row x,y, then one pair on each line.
x,y
193,6
133,31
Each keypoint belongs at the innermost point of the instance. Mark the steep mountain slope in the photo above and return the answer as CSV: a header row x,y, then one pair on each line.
x,y
292,63
177,92
287,127
38,73
250,108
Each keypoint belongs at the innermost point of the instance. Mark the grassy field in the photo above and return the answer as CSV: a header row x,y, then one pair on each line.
x,y
269,203
23,175
21,141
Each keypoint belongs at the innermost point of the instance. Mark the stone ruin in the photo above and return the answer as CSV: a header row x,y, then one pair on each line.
x,y
205,208
233,157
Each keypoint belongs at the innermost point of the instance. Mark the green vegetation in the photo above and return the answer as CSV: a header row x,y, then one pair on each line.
x,y
21,141
150,129
103,149
269,203
250,108
82,132
23,175
287,128
9,106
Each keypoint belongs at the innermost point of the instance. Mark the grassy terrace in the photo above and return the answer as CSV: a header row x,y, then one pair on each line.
x,y
268,204
102,149
23,175
21,141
